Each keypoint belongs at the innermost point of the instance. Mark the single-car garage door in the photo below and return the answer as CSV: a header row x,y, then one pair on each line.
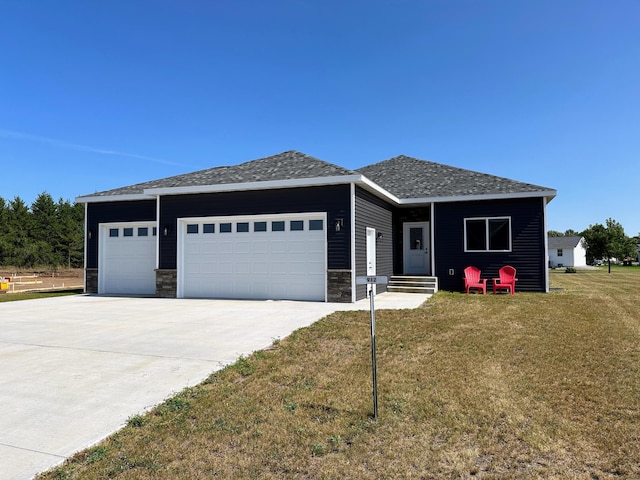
x,y
256,257
127,258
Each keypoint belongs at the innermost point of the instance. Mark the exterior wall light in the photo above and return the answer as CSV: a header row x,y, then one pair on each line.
x,y
339,224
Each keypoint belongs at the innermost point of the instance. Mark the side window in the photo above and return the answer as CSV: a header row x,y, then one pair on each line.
x,y
487,234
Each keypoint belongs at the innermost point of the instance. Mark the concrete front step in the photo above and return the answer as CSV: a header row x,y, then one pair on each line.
x,y
401,289
413,284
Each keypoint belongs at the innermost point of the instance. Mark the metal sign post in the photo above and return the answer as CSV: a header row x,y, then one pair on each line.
x,y
370,281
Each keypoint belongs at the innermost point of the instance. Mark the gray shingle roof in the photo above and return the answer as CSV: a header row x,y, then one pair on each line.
x,y
283,166
402,176
408,177
564,242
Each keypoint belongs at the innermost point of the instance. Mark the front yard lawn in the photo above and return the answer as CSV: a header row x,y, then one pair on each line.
x,y
492,387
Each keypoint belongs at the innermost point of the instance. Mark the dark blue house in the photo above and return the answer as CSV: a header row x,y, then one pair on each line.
x,y
290,226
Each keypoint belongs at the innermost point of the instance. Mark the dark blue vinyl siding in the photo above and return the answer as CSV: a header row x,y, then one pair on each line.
x,y
528,237
373,212
107,212
333,199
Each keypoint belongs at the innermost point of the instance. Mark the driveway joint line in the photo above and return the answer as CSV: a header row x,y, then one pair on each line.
x,y
32,450
117,352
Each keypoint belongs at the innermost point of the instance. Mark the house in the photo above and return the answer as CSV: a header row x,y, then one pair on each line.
x,y
291,226
567,252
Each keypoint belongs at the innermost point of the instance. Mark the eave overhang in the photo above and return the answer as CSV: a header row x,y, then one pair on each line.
x,y
360,180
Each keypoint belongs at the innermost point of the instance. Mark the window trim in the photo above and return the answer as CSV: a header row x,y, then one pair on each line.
x,y
487,234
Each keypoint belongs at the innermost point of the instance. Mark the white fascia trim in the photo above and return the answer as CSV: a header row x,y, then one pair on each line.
x,y
549,194
269,185
378,189
114,198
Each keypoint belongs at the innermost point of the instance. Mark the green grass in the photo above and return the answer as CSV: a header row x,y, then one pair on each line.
x,y
492,387
13,297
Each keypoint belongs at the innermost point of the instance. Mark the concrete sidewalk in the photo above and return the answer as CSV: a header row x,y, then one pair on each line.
x,y
74,369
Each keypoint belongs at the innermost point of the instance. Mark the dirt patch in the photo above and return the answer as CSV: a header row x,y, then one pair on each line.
x,y
40,280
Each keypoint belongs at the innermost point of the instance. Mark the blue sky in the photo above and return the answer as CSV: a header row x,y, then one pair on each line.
x,y
98,95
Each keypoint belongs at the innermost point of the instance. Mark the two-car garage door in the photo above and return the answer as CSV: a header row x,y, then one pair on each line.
x,y
254,257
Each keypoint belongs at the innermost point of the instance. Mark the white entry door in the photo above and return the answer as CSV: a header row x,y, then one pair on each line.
x,y
417,251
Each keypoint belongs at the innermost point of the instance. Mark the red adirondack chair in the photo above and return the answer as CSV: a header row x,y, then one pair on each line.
x,y
472,280
507,280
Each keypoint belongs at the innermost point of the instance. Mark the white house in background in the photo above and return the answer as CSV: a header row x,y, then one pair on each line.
x,y
567,252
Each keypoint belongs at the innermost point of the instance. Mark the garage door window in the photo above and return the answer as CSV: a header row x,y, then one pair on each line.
x,y
113,232
297,225
128,232
316,225
242,227
192,228
143,232
225,228
260,227
209,228
277,226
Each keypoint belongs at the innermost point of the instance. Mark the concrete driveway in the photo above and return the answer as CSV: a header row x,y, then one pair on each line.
x,y
74,369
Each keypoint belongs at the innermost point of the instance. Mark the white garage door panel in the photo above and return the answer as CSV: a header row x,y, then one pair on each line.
x,y
126,264
255,264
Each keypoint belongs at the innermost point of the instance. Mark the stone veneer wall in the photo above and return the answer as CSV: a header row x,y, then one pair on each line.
x,y
339,286
91,280
166,283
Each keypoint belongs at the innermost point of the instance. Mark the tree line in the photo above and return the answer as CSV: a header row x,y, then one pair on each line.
x,y
47,234
605,242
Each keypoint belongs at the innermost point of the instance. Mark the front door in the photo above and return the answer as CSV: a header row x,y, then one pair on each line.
x,y
417,252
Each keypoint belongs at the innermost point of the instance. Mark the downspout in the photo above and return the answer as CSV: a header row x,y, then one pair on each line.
x,y
432,231
545,259
86,244
157,232
353,242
